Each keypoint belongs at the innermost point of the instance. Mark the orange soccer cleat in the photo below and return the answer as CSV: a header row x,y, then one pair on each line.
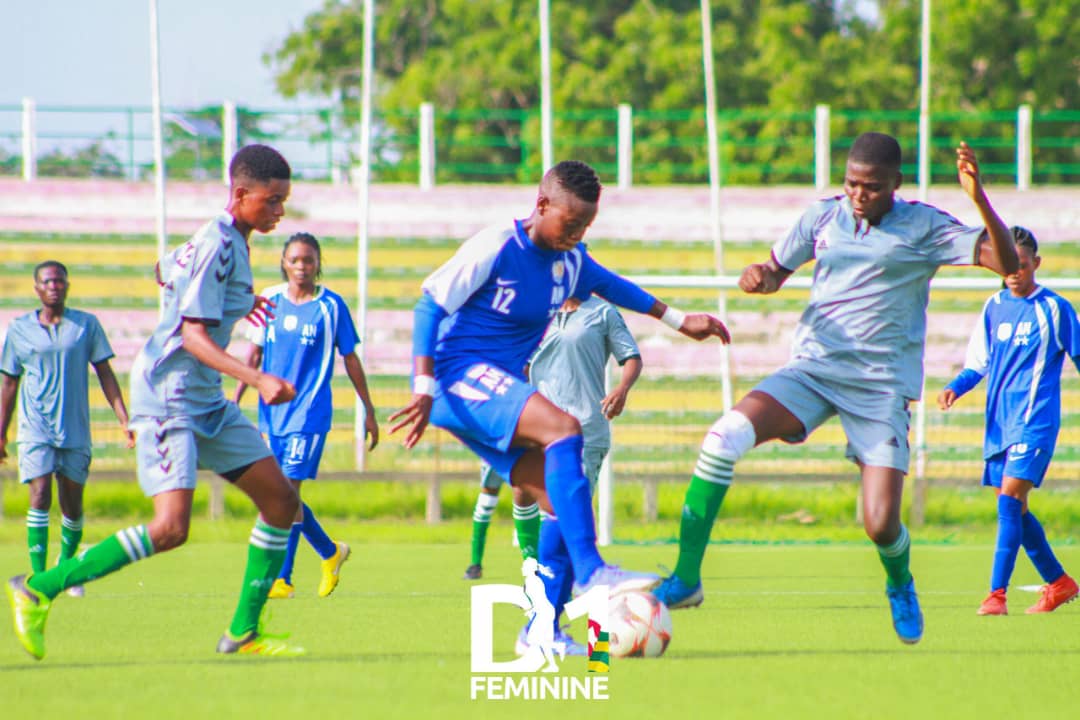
x,y
994,604
1054,595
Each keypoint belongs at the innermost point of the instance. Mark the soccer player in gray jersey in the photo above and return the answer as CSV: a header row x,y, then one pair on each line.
x,y
46,352
183,421
857,352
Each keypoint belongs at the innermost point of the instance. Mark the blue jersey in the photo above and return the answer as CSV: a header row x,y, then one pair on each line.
x,y
298,345
1020,344
494,298
51,360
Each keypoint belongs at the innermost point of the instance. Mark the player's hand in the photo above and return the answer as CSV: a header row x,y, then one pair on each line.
x,y
758,278
416,414
274,390
967,167
700,326
130,437
613,405
261,312
946,398
371,428
3,450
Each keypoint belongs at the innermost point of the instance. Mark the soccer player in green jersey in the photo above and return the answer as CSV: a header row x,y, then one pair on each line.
x,y
183,421
44,361
857,352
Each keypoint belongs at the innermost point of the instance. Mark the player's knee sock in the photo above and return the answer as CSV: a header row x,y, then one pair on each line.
x,y
266,553
314,534
1010,534
728,439
70,537
1038,549
290,552
37,538
125,547
527,526
896,559
555,559
481,520
568,490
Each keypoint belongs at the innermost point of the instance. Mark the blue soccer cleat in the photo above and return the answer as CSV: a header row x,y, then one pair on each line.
x,y
907,618
617,580
676,594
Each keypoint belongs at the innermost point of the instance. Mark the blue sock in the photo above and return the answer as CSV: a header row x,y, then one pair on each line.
x,y
290,553
1010,533
554,556
568,490
315,535
1042,557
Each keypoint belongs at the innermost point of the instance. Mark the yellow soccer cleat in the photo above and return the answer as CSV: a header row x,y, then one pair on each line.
x,y
30,610
280,590
257,642
331,569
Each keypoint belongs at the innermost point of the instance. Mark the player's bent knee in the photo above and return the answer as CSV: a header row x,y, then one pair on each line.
x,y
730,437
168,535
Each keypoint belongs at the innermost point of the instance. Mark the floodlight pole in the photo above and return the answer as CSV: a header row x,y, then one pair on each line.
x,y
159,156
362,234
547,145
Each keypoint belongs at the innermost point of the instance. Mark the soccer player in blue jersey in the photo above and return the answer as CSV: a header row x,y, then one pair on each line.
x,y
857,353
310,321
479,319
183,421
44,361
1020,343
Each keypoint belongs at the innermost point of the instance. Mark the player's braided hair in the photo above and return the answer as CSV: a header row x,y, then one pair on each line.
x,y
260,163
1025,238
304,239
874,148
49,264
578,178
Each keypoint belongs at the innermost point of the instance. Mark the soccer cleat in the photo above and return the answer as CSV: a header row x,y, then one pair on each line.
x,y
331,569
258,643
29,610
994,604
76,591
280,590
907,618
617,580
676,594
473,572
1054,595
570,646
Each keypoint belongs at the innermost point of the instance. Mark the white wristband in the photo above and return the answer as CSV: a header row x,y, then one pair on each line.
x,y
423,385
673,318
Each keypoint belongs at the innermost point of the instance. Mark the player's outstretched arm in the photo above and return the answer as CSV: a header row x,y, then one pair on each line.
x,y
698,326
996,250
272,389
763,278
111,388
9,389
417,413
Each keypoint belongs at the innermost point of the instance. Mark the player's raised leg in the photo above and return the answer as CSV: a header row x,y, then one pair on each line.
x,y
883,489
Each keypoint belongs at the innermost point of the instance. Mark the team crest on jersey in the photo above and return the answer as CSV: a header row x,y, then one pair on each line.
x,y
290,322
1004,331
558,270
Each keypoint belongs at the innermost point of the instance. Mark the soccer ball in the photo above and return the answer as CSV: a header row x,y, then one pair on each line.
x,y
639,625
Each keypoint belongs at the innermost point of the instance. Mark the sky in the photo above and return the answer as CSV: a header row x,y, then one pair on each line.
x,y
72,52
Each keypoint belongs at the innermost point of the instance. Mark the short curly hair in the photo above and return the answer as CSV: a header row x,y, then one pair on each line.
x,y
578,179
874,148
260,163
1025,238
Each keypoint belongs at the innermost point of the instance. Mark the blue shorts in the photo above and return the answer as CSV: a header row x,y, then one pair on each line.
x,y
480,405
1020,461
37,460
298,454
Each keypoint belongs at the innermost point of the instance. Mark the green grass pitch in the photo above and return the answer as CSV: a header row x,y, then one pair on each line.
x,y
786,631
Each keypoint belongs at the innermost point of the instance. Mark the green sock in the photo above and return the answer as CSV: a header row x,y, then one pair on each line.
x,y
481,520
70,537
527,526
709,484
108,556
37,538
266,553
896,559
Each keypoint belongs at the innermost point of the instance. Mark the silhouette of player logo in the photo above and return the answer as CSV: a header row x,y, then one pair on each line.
x,y
541,614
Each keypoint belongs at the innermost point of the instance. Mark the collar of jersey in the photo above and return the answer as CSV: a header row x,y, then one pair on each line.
x,y
523,237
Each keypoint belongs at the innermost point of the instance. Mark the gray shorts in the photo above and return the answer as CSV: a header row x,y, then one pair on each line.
x,y
593,458
37,460
875,423
169,451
